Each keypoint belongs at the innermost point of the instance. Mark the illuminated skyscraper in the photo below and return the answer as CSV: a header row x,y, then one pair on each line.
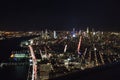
x,y
87,30
54,35
73,33
42,34
46,34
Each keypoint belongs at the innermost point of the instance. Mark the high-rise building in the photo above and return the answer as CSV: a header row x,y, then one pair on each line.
x,y
54,35
87,30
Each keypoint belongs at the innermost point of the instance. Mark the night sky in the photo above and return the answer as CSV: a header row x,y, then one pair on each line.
x,y
60,14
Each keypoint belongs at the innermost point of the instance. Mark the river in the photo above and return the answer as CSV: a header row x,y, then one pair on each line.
x,y
14,72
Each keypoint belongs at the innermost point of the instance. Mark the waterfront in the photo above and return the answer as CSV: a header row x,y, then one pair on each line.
x,y
14,72
8,45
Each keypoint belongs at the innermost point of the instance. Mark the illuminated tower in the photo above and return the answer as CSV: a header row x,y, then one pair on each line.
x,y
87,30
54,35
42,34
73,33
46,34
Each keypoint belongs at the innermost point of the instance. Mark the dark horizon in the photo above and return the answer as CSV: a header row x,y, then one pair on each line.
x,y
58,27
61,14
